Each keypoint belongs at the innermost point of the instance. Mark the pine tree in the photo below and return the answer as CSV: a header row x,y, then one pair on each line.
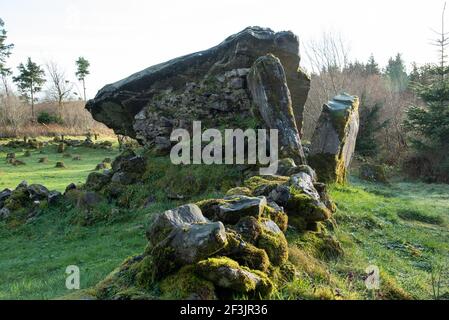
x,y
372,68
30,81
397,74
5,52
430,124
82,71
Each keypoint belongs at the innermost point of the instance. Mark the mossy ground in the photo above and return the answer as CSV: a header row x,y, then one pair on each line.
x,y
402,228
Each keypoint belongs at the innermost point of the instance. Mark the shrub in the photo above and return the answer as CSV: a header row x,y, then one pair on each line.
x,y
47,118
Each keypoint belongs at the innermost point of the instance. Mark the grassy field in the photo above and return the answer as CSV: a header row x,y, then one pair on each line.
x,y
402,228
46,173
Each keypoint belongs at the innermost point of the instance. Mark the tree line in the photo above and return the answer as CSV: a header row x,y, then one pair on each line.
x,y
31,76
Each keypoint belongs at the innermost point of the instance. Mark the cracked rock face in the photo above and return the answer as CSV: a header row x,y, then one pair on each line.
x,y
210,86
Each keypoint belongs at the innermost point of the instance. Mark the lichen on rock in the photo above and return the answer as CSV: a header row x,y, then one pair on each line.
x,y
334,139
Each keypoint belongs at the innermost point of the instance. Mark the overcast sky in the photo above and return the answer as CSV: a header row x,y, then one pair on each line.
x,y
122,37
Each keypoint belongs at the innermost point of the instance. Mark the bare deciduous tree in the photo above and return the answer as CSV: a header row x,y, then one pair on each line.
x,y
60,88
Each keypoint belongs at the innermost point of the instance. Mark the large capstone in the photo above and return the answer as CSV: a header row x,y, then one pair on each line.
x,y
334,140
271,95
209,86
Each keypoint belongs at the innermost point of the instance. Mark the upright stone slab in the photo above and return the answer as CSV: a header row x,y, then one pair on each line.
x,y
271,95
334,139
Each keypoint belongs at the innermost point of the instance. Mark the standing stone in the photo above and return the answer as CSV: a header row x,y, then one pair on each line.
x,y
334,140
268,85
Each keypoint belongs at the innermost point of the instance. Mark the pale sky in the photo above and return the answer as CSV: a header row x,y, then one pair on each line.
x,y
123,37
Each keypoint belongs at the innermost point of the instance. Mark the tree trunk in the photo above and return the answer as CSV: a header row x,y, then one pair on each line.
x,y
32,101
84,88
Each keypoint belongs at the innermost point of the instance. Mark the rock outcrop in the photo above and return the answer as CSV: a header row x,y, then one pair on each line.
x,y
210,86
334,140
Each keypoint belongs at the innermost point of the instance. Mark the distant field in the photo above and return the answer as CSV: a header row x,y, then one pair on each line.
x,y
46,173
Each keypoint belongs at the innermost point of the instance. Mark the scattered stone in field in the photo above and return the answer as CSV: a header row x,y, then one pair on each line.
x,y
67,155
61,148
27,153
17,162
334,140
107,160
77,158
43,160
60,164
10,156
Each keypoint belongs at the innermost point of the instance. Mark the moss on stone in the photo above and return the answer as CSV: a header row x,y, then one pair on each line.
x,y
309,209
245,253
239,191
275,245
212,267
264,185
186,285
279,217
210,207
19,199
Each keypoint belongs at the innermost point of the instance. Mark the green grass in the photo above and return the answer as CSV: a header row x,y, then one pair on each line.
x,y
46,173
402,228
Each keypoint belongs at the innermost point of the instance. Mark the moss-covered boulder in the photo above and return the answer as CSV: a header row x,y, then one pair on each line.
x,y
238,206
96,181
273,241
228,274
334,139
183,236
187,285
244,252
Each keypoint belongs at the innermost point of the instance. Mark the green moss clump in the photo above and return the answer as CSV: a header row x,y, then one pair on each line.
x,y
275,245
123,283
325,166
297,222
303,205
279,217
186,285
218,270
264,185
210,207
282,274
239,191
245,253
